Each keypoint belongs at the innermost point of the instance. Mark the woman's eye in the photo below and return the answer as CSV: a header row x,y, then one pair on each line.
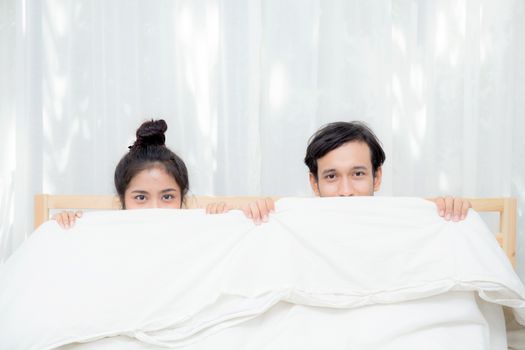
x,y
168,197
140,197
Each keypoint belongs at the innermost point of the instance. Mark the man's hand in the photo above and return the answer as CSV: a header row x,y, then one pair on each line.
x,y
259,210
452,208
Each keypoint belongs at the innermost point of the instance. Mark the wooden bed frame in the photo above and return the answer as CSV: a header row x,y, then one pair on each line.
x,y
504,206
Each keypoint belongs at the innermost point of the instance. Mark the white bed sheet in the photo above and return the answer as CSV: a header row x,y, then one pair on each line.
x,y
375,273
459,321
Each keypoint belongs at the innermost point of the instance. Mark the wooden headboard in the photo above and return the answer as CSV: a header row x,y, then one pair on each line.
x,y
44,203
504,206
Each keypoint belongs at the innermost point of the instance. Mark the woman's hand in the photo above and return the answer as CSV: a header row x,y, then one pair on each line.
x,y
217,208
66,219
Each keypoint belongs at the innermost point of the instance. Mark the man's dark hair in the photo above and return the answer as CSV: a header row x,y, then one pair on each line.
x,y
334,135
147,152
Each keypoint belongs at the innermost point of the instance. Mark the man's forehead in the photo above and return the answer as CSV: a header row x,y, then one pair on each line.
x,y
349,155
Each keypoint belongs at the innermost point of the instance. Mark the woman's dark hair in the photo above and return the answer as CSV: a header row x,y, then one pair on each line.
x,y
147,152
334,135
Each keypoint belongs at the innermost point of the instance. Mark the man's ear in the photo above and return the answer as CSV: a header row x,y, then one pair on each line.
x,y
314,184
377,179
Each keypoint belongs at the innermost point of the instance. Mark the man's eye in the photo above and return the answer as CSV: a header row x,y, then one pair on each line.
x,y
360,173
330,176
140,197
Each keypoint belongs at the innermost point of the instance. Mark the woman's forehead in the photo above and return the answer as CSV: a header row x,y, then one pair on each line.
x,y
154,177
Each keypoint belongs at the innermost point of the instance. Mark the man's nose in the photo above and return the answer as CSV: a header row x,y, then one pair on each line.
x,y
345,188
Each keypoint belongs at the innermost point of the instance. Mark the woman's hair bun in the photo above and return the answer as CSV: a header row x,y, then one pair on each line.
x,y
151,133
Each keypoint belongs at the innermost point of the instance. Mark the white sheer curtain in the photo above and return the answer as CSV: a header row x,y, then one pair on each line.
x,y
243,85
20,122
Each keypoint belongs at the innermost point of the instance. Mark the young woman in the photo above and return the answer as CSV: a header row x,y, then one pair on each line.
x,y
149,175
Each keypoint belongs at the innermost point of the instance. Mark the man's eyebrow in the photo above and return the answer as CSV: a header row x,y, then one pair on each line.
x,y
328,171
354,168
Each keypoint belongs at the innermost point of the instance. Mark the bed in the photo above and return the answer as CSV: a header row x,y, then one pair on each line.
x,y
365,273
504,207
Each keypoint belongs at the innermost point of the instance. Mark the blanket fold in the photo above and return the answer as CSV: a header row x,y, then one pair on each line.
x,y
174,277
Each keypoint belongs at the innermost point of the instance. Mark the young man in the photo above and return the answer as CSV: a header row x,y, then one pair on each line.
x,y
345,159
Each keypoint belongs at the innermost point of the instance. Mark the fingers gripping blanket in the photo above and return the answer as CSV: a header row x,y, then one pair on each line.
x,y
375,273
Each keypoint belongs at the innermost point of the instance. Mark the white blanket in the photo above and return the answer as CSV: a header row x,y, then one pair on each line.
x,y
389,266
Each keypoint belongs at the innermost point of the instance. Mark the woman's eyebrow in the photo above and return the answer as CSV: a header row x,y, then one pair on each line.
x,y
139,191
169,190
